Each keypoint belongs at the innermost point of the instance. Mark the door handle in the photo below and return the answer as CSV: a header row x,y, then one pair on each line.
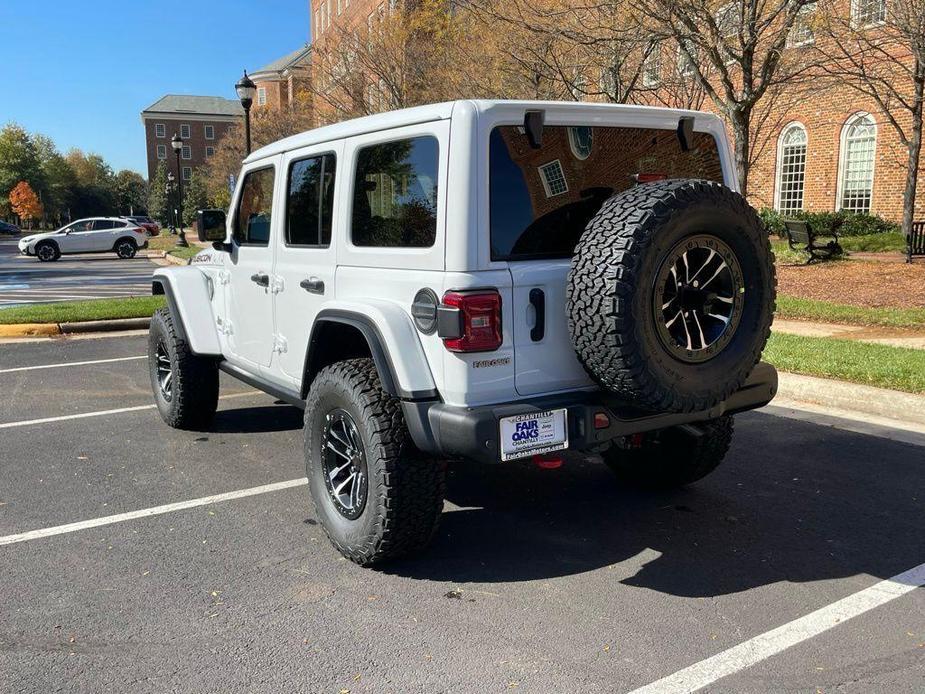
x,y
313,285
260,278
538,301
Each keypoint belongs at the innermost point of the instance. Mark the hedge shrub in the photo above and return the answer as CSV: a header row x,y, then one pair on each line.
x,y
845,223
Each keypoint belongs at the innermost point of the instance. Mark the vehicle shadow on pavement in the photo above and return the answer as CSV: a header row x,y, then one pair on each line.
x,y
257,420
792,502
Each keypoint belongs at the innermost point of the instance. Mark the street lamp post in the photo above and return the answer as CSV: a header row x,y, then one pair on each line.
x,y
245,89
168,191
177,143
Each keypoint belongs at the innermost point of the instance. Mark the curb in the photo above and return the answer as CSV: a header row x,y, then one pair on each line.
x,y
29,330
55,329
853,397
102,326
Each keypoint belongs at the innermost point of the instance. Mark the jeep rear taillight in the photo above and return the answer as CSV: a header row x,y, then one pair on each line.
x,y
479,321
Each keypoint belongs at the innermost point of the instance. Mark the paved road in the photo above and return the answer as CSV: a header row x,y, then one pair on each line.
x,y
539,580
25,280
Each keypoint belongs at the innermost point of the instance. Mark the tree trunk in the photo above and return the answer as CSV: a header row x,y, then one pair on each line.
x,y
740,132
915,151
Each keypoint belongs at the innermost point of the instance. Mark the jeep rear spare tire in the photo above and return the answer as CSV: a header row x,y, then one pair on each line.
x,y
671,294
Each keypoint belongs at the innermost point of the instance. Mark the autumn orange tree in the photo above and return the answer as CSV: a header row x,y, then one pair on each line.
x,y
25,203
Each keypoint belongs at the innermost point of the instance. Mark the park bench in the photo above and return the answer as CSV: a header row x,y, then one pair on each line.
x,y
801,237
915,241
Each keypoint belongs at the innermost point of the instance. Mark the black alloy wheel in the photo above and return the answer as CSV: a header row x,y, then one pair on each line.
x,y
698,298
346,475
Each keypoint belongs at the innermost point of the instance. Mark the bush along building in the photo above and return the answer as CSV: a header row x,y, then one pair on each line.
x,y
200,120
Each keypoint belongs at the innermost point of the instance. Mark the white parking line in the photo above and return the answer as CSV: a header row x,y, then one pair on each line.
x,y
69,363
732,660
147,512
100,413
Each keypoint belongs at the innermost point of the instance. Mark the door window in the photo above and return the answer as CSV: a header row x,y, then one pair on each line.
x,y
395,194
255,208
78,226
101,224
310,201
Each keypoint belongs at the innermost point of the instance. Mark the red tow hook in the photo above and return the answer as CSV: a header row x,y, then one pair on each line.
x,y
547,462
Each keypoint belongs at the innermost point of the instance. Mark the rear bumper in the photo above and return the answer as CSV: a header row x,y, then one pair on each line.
x,y
473,432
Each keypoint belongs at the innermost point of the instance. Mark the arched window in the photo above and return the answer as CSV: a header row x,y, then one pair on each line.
x,y
581,140
856,164
791,168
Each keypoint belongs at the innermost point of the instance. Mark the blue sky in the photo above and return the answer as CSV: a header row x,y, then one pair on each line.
x,y
81,71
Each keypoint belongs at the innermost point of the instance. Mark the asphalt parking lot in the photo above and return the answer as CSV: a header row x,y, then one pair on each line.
x,y
25,280
539,580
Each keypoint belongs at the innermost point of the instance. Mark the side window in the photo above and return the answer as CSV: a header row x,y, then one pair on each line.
x,y
255,207
395,194
101,224
310,201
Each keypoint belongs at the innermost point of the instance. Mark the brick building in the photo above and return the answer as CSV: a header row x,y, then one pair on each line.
x,y
200,120
326,13
285,81
824,147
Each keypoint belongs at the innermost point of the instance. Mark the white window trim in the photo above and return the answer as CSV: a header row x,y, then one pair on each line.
x,y
185,131
570,133
261,96
186,169
161,148
868,25
160,130
541,167
210,152
655,55
732,30
779,168
690,71
807,9
205,132
842,161
186,149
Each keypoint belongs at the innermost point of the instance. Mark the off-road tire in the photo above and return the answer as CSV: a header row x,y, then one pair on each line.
x,y
673,457
194,379
43,255
611,293
405,488
125,248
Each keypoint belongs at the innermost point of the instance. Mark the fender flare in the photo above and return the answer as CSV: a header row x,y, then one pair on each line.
x,y
378,347
189,300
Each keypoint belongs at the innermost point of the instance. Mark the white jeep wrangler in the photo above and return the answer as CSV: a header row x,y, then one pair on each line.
x,y
484,280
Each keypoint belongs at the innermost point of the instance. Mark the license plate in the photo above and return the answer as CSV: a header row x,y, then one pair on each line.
x,y
534,433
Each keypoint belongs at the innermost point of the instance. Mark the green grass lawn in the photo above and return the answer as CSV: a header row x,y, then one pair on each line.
x,y
76,311
873,243
812,310
180,252
896,368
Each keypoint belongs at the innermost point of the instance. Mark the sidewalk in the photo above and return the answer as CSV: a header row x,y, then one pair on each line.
x,y
880,335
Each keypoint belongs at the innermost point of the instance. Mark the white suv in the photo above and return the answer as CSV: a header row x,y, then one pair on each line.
x,y
91,235
483,280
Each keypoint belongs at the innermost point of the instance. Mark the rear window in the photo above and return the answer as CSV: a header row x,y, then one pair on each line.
x,y
542,199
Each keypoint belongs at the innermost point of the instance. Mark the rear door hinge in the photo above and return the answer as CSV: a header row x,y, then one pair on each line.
x,y
280,344
224,277
277,284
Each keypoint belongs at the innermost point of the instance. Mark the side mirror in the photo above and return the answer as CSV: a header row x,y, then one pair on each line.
x,y
210,225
